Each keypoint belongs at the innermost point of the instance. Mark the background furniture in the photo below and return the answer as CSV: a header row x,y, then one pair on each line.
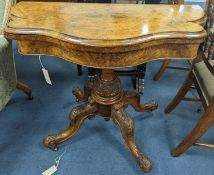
x,y
202,75
165,65
8,81
106,97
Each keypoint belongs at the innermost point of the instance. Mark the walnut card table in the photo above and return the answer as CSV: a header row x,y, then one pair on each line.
x,y
107,36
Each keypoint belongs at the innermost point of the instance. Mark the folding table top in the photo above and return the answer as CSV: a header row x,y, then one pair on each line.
x,y
106,27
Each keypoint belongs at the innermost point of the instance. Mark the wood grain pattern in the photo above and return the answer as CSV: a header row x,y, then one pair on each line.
x,y
201,76
107,35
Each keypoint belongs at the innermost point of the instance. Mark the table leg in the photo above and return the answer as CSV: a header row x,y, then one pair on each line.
x,y
122,119
107,99
83,95
133,99
77,116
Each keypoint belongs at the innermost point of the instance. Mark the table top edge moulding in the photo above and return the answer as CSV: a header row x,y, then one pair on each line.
x,y
128,32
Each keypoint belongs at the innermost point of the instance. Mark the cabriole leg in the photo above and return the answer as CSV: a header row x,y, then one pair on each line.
x,y
133,99
122,119
77,116
80,95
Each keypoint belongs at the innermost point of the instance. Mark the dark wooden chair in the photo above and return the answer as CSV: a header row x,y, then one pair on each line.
x,y
202,75
165,65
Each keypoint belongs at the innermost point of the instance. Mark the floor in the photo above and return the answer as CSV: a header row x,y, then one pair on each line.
x,y
98,148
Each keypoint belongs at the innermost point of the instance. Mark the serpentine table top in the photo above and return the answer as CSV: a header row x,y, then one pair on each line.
x,y
107,36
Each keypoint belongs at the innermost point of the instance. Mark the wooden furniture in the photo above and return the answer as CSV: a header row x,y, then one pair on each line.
x,y
131,35
22,87
140,70
79,68
165,65
202,75
8,79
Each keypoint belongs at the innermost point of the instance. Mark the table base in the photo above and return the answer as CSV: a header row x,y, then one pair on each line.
x,y
106,98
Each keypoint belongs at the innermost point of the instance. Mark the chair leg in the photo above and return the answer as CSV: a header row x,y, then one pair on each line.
x,y
139,80
202,126
92,74
181,93
79,68
161,70
25,89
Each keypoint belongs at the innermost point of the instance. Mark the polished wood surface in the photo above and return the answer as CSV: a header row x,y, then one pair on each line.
x,y
80,32
105,22
107,36
196,76
106,98
166,63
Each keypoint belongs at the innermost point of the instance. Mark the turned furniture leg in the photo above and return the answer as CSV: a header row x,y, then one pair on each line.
x,y
80,95
79,69
202,126
92,74
25,89
139,79
133,99
181,93
161,70
77,116
122,119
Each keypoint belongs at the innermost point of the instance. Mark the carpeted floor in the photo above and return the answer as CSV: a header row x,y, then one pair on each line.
x,y
98,147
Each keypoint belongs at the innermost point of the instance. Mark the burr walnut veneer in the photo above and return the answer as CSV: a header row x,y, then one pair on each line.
x,y
107,36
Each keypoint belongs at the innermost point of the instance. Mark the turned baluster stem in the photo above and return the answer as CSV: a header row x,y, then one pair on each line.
x,y
107,75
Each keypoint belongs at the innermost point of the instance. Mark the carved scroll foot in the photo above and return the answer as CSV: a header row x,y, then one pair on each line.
x,y
133,99
80,95
51,141
77,116
122,119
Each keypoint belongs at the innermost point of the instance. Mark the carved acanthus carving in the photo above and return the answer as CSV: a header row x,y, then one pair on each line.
x,y
122,119
107,92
